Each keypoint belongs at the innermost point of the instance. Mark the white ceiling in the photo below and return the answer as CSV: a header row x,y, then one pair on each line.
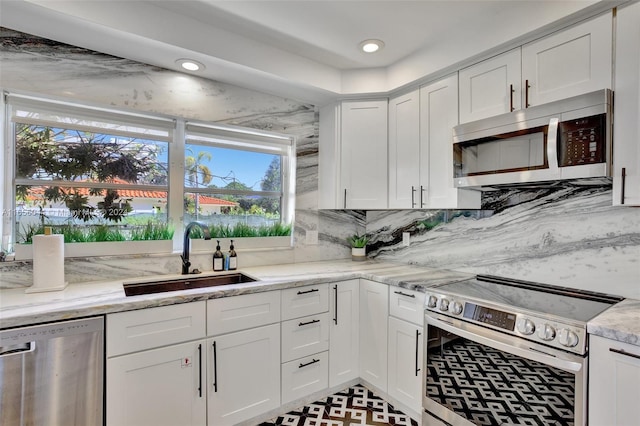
x,y
304,49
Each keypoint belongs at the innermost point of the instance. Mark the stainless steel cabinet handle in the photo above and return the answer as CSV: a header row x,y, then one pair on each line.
x,y
200,370
623,352
215,368
623,183
308,291
417,346
405,294
309,363
413,197
335,313
511,108
17,349
302,324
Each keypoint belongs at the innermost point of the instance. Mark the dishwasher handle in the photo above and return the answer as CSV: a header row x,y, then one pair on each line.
x,y
17,349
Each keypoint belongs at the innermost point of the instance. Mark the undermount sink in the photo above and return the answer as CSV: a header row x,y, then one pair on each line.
x,y
184,283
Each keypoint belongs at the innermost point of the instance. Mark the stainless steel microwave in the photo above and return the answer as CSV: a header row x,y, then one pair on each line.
x,y
566,139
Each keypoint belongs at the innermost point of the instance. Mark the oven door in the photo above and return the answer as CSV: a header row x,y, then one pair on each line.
x,y
477,376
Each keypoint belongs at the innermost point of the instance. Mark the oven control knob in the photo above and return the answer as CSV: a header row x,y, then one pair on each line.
x,y
567,338
526,326
432,302
546,332
444,304
456,308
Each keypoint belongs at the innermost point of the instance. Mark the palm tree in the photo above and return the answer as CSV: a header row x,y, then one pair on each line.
x,y
197,172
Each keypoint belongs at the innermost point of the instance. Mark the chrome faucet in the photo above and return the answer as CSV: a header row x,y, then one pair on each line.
x,y
186,242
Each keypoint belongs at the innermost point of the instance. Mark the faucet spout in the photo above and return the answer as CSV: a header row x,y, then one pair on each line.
x,y
186,242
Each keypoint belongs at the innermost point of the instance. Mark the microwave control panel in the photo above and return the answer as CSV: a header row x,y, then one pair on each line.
x,y
582,141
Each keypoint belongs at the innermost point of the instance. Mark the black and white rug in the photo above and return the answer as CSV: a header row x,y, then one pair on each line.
x,y
356,405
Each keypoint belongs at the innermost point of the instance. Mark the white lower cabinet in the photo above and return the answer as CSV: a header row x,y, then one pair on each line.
x,y
243,374
374,309
305,376
157,387
405,363
344,332
614,383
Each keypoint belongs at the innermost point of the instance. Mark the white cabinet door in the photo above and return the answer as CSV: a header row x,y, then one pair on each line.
x,y
157,387
344,332
438,116
491,87
614,383
626,126
374,310
243,375
404,151
363,152
405,363
568,63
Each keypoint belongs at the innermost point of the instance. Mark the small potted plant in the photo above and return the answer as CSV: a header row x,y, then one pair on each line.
x,y
358,246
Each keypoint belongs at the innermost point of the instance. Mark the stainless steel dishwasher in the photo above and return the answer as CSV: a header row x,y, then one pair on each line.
x,y
53,374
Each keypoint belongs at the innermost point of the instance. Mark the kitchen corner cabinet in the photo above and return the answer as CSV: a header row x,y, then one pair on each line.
x,y
344,332
567,63
353,155
374,309
614,383
626,126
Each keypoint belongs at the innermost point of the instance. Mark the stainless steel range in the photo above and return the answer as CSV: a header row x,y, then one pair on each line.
x,y
502,351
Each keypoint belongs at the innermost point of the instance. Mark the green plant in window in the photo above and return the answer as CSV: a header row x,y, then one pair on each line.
x,y
153,231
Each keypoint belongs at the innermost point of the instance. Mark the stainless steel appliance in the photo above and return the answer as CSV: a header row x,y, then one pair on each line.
x,y
560,140
502,351
52,374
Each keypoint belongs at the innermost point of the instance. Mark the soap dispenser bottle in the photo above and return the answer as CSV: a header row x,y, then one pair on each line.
x,y
233,258
218,259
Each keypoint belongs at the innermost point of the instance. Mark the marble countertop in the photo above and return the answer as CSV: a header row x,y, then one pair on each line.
x,y
97,298
621,322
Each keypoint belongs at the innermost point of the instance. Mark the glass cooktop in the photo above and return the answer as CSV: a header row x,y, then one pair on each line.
x,y
577,305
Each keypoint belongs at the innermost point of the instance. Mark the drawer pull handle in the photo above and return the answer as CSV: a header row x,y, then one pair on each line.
x,y
308,322
308,291
309,363
405,294
623,352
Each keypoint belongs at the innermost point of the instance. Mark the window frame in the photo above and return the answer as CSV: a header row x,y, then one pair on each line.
x,y
234,137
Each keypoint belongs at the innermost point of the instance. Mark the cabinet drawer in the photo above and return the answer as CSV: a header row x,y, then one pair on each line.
x,y
304,376
154,327
241,312
406,304
305,336
302,301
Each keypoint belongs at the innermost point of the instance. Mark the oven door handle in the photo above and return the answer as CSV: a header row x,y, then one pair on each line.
x,y
510,344
552,145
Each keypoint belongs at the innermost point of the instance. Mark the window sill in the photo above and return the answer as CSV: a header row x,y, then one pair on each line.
x,y
25,251
241,243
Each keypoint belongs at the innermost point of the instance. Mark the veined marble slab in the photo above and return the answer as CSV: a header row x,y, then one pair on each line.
x,y
621,322
80,300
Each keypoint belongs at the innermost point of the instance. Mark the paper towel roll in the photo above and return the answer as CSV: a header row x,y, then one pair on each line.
x,y
48,263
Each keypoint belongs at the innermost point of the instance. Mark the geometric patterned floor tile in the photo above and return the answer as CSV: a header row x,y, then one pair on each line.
x,y
356,405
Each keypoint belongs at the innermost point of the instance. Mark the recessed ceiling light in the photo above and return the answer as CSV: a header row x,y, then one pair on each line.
x,y
190,64
371,46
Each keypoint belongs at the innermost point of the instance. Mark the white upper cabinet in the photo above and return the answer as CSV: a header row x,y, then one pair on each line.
x,y
568,63
438,116
491,87
626,126
353,155
404,151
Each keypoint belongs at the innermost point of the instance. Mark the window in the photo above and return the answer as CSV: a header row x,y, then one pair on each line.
x,y
97,174
237,181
